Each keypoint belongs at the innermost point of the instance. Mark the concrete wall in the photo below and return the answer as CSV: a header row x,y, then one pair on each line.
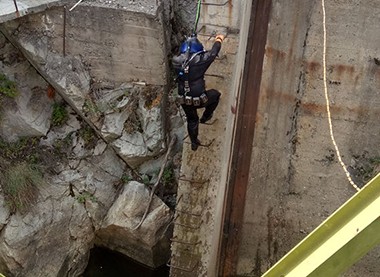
x,y
295,179
203,173
117,45
10,9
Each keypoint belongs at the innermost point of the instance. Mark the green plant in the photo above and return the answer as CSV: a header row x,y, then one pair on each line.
x,y
145,179
88,135
7,87
126,178
63,145
90,107
375,161
168,175
85,196
23,149
20,184
60,114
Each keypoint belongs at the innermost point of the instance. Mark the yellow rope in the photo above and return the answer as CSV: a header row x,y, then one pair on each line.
x,y
328,102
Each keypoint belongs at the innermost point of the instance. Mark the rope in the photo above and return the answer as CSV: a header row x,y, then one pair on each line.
x,y
328,102
197,17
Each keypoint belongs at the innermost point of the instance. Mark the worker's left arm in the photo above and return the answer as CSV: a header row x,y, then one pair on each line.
x,y
213,53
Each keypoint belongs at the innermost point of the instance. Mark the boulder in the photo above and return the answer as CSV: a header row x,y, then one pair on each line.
x,y
149,244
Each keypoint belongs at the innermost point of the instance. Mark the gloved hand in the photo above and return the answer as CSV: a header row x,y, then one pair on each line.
x,y
219,38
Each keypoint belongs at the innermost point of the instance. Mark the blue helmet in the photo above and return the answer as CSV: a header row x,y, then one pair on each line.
x,y
192,44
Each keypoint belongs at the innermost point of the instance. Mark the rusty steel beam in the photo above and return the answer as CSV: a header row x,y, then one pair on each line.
x,y
243,138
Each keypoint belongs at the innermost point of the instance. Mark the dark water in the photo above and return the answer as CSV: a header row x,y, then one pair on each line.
x,y
106,263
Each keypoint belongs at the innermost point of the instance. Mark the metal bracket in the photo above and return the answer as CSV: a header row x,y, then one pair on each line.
x,y
192,181
215,75
214,4
190,226
189,213
191,269
174,239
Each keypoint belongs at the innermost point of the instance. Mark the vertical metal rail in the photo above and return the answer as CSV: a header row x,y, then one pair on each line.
x,y
64,31
243,139
17,12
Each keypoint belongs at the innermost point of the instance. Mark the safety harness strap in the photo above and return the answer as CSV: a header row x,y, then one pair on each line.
x,y
185,68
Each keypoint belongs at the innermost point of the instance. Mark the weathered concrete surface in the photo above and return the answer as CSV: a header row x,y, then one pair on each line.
x,y
8,10
12,9
132,50
96,61
296,181
39,36
203,173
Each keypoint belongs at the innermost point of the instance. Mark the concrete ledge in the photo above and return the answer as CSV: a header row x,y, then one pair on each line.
x,y
25,7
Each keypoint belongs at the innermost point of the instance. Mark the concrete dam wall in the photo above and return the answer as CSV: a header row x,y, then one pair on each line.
x,y
294,180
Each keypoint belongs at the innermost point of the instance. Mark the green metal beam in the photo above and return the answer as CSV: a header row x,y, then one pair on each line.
x,y
340,241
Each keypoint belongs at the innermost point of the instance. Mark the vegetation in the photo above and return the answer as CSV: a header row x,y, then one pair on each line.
x,y
126,178
90,108
168,176
371,169
60,114
365,168
145,179
85,196
62,145
21,150
20,184
88,135
7,87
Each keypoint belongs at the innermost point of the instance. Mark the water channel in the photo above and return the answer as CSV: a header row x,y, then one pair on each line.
x,y
107,263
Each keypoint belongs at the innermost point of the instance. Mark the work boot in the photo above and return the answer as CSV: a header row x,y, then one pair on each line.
x,y
204,119
194,145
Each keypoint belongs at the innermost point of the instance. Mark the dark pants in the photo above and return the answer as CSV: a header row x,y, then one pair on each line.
x,y
192,114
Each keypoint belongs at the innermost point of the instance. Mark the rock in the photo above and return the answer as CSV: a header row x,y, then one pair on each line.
x,y
150,243
132,148
55,236
23,115
152,127
72,77
70,126
113,125
4,212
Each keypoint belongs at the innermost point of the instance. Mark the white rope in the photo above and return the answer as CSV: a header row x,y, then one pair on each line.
x,y
328,102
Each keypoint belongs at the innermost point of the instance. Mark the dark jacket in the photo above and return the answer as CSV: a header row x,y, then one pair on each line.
x,y
197,68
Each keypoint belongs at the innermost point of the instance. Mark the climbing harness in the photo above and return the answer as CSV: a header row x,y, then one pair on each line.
x,y
186,99
328,102
192,44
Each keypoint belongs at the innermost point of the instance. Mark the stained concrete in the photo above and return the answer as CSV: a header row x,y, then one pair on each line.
x,y
13,9
295,179
203,173
10,9
134,49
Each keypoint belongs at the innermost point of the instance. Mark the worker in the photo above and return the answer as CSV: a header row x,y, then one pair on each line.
x,y
190,65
